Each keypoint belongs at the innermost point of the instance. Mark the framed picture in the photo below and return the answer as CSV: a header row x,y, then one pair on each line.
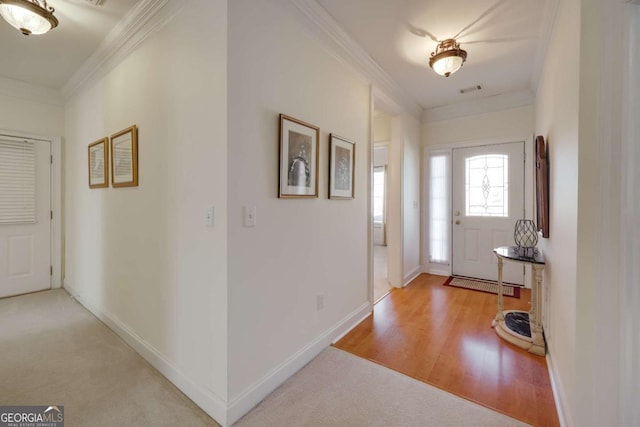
x,y
298,158
99,164
124,158
542,186
341,167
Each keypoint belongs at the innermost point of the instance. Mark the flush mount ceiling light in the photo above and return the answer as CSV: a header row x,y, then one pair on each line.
x,y
29,16
448,57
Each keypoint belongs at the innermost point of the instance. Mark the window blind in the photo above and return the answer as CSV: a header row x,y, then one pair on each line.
x,y
17,182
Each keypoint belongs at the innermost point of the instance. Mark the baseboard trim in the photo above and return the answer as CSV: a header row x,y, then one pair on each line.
x,y
368,312
255,393
558,393
205,399
412,275
439,269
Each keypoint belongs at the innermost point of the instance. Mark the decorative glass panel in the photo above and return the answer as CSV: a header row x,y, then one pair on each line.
x,y
487,185
439,209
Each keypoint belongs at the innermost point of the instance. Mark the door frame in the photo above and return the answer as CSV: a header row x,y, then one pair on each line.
x,y
445,270
56,241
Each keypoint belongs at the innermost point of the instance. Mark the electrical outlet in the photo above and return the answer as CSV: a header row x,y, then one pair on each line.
x,y
320,301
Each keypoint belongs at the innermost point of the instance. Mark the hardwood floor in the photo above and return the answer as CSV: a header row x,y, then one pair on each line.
x,y
442,336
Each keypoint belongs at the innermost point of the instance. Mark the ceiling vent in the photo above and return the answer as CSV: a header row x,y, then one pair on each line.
x,y
95,2
470,89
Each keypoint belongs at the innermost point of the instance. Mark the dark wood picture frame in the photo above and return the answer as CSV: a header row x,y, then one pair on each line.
x,y
542,186
98,161
298,160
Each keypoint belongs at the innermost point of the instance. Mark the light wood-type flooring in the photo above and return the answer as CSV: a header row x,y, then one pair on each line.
x,y
442,336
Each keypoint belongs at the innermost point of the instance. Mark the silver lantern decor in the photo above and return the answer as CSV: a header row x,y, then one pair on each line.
x,y
526,237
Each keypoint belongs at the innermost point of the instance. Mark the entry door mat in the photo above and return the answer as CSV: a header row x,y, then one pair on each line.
x,y
483,286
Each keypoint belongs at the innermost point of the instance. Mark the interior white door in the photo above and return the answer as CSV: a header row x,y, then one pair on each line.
x,y
25,216
487,199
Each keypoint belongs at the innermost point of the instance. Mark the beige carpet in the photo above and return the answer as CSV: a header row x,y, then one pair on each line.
x,y
340,389
54,352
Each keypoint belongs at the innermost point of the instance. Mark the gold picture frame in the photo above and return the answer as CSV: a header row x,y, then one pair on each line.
x,y
98,162
124,158
342,167
298,165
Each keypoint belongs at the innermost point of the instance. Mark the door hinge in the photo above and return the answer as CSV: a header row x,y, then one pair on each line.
x,y
51,214
51,270
51,159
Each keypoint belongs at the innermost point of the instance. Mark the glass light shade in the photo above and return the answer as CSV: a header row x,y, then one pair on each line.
x,y
28,18
447,65
448,57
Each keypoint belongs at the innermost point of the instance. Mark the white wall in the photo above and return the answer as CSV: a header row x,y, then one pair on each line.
x,y
300,248
514,122
32,117
600,207
142,256
395,206
381,127
557,107
411,198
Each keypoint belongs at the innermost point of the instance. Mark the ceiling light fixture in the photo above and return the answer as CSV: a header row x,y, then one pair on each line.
x,y
448,57
29,16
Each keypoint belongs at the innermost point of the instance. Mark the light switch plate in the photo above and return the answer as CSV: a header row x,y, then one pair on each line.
x,y
249,216
209,216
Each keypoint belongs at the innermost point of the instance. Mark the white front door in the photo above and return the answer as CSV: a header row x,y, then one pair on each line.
x,y
487,199
25,216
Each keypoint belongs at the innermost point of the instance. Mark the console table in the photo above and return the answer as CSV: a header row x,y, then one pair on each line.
x,y
521,328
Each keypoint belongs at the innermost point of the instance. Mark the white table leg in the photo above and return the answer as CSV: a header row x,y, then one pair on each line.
x,y
500,315
535,317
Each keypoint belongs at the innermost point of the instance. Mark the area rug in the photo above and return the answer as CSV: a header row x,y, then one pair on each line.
x,y
483,286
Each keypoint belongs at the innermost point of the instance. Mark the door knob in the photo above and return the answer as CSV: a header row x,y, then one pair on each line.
x,y
457,221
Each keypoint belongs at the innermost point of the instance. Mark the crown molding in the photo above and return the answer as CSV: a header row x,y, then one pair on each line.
x,y
546,31
489,104
342,45
147,17
30,92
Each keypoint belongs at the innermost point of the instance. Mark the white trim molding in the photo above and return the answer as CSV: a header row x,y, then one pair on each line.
x,y
559,395
29,92
408,278
489,104
212,404
546,31
245,401
347,48
629,318
147,17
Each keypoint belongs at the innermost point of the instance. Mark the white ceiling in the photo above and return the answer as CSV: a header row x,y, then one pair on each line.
x,y
504,39
51,59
